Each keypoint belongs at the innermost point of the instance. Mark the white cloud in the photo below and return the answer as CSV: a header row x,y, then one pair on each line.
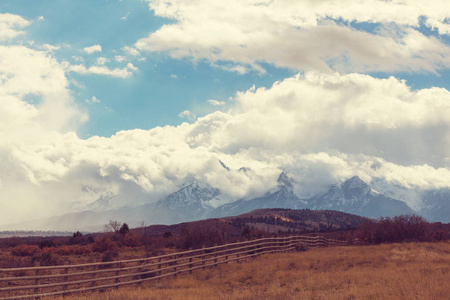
x,y
300,35
28,128
125,18
10,26
102,60
93,49
216,103
93,100
130,66
187,114
101,70
131,51
318,128
50,48
78,58
173,76
240,69
120,58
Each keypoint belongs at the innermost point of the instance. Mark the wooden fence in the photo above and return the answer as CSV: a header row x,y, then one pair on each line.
x,y
39,281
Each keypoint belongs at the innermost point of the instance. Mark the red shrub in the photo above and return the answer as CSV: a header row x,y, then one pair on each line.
x,y
131,240
102,244
25,250
65,250
81,250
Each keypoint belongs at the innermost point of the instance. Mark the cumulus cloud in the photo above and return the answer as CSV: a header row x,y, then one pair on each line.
x,y
120,58
130,51
125,18
93,100
93,49
10,26
132,67
102,60
102,70
216,103
50,48
187,114
36,109
303,35
320,128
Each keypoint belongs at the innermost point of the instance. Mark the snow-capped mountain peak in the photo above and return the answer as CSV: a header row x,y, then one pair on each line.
x,y
356,196
192,200
354,183
284,181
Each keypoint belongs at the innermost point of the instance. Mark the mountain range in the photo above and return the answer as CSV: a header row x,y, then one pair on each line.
x,y
197,200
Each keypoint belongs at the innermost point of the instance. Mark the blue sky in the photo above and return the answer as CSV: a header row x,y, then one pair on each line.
x,y
153,96
163,87
129,99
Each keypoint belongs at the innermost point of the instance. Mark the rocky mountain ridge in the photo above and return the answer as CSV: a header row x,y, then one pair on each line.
x,y
197,200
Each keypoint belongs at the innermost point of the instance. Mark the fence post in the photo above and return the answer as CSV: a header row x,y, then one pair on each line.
x,y
215,257
118,266
175,263
190,265
203,257
66,278
36,273
94,275
159,266
226,254
139,271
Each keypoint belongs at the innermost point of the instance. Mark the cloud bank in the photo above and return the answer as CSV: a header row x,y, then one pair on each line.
x,y
319,126
10,26
304,35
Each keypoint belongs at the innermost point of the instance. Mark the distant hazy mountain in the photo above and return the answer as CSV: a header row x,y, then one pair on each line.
x,y
282,197
436,205
94,221
192,202
357,197
196,200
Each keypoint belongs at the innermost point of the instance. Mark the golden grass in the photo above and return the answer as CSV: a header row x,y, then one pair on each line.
x,y
396,271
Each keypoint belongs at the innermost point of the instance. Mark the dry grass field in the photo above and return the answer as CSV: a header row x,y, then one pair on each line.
x,y
389,271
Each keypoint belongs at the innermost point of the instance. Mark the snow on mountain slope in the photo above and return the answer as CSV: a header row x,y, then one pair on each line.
x,y
436,205
280,197
410,196
192,201
357,197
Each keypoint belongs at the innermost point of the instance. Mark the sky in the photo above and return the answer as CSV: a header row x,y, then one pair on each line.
x,y
127,100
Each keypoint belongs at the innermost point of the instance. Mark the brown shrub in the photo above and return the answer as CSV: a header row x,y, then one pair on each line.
x,y
197,236
103,244
15,262
131,240
81,250
25,250
65,250
396,229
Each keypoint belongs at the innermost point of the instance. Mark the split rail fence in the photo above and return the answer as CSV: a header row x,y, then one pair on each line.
x,y
40,281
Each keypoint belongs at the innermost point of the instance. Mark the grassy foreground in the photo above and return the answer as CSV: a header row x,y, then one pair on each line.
x,y
395,271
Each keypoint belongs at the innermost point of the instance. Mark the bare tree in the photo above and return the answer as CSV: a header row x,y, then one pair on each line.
x,y
112,226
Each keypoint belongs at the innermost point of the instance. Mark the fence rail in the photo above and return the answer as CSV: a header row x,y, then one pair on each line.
x,y
39,281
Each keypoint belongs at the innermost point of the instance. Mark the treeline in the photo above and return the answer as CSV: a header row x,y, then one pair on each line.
x,y
404,228
30,233
116,236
